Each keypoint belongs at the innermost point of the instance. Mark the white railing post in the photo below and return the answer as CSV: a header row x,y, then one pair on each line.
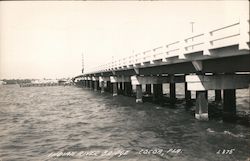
x,y
244,34
163,51
182,49
207,43
143,57
165,54
153,56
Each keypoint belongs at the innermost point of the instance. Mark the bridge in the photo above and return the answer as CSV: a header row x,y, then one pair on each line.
x,y
217,59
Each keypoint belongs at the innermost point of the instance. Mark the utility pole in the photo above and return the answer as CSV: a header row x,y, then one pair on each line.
x,y
82,63
192,26
112,61
192,29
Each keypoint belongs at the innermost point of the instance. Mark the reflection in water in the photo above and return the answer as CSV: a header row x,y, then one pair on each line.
x,y
41,123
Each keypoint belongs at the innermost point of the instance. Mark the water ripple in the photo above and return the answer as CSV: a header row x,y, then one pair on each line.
x,y
35,122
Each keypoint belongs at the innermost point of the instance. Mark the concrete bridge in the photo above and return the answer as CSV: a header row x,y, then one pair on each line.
x,y
217,60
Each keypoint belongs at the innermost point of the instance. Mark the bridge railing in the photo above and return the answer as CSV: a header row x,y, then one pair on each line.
x,y
233,34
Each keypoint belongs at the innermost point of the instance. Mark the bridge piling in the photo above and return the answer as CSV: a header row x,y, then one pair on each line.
x,y
85,83
229,105
93,85
102,86
96,85
109,87
88,83
172,92
187,94
138,93
157,92
115,88
121,88
172,89
217,94
148,89
82,83
127,88
201,110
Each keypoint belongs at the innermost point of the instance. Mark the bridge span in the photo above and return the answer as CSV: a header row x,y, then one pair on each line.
x,y
217,60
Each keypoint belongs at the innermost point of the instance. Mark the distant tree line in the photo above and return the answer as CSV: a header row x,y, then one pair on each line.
x,y
16,81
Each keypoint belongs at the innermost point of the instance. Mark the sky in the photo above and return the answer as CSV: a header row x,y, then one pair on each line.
x,y
46,39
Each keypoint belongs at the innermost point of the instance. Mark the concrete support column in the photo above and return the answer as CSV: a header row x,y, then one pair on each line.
x,y
127,88
217,95
102,86
187,94
96,85
84,83
109,89
157,92
93,85
138,93
121,88
115,86
172,89
172,92
148,89
90,84
201,110
229,105
81,83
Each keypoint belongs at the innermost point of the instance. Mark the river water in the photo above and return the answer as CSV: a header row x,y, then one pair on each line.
x,y
70,123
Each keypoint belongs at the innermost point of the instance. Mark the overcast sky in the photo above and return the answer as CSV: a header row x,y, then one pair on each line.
x,y
46,39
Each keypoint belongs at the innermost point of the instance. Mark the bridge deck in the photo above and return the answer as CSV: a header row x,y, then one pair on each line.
x,y
226,41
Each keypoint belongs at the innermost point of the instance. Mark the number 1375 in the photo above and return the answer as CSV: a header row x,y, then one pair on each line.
x,y
225,151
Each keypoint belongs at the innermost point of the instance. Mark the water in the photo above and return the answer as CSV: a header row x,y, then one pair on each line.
x,y
37,123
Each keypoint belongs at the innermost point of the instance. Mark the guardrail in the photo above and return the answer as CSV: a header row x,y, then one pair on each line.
x,y
233,34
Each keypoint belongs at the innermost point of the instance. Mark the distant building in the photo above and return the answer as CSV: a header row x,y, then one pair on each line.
x,y
40,81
